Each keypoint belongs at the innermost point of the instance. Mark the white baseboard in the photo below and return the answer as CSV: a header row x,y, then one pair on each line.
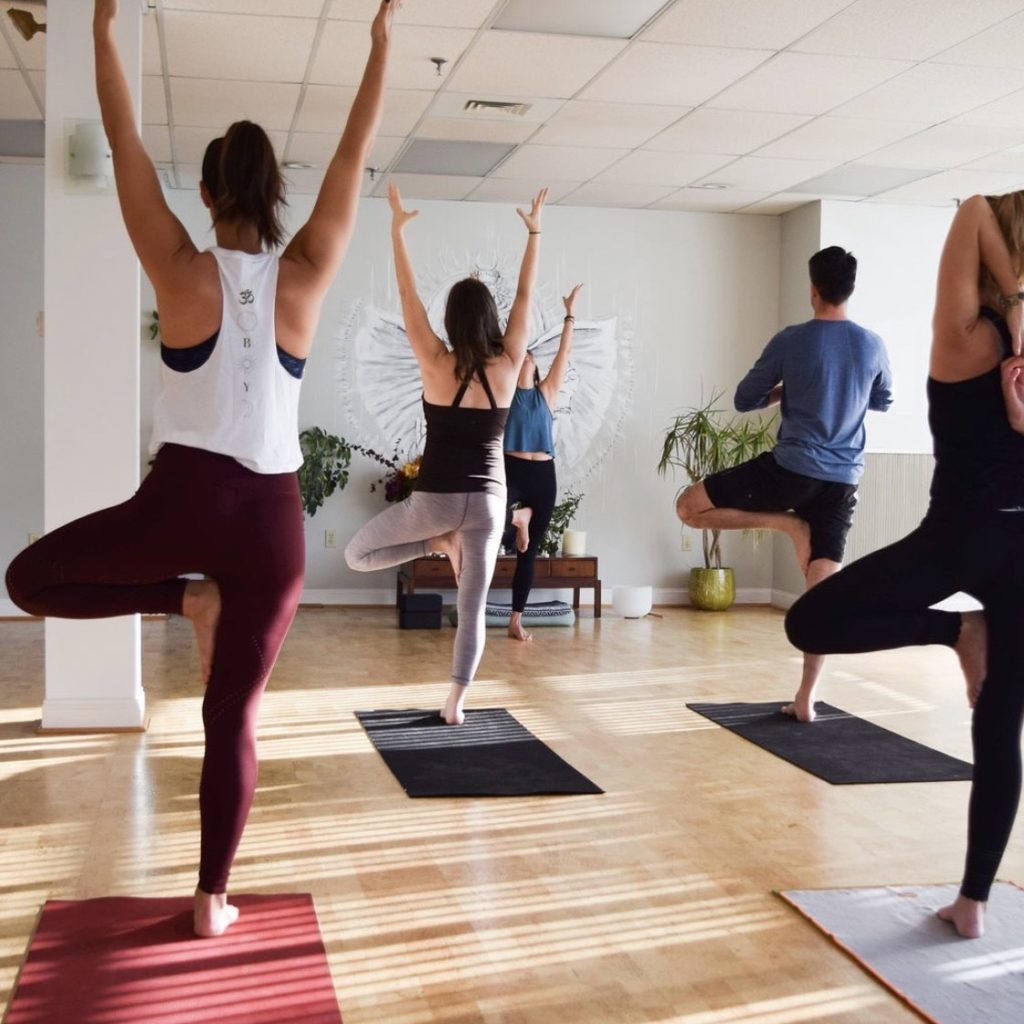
x,y
94,715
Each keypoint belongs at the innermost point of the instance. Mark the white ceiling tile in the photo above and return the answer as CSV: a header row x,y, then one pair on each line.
x,y
752,23
801,83
510,190
565,163
6,55
266,49
611,18
783,202
645,167
213,104
318,148
191,142
681,76
839,138
325,108
295,8
470,130
31,52
38,81
945,146
345,45
905,29
1007,112
187,176
1010,161
154,100
16,102
442,13
157,140
528,64
305,180
708,130
725,200
756,173
1001,46
429,186
151,61
615,194
934,93
949,186
581,123
858,180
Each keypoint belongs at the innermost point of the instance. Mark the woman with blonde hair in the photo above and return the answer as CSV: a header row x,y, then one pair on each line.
x,y
458,507
972,537
238,321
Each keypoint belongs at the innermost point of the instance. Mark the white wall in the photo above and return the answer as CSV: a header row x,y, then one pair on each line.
x,y
21,361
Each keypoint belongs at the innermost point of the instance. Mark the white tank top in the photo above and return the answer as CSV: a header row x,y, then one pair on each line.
x,y
241,402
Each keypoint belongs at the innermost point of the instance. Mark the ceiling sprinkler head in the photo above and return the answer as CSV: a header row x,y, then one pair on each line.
x,y
439,63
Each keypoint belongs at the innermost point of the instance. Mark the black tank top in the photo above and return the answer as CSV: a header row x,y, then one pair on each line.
x,y
979,457
463,452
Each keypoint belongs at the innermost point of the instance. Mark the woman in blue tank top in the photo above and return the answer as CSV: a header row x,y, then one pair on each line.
x,y
972,537
530,465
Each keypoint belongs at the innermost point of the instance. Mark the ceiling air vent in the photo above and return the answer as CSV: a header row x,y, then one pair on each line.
x,y
497,107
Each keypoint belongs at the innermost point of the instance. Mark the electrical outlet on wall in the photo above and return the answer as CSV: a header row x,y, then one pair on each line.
x,y
330,539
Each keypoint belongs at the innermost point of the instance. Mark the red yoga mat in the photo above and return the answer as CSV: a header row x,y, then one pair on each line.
x,y
135,961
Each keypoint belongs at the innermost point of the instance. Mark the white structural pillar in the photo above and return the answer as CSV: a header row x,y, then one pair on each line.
x,y
91,372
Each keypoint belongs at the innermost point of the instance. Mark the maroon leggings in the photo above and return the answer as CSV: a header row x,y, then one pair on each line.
x,y
196,512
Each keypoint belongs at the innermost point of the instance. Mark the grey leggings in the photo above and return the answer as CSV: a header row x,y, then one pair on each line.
x,y
400,533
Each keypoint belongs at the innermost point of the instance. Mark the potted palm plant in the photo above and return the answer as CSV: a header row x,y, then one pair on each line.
x,y
699,441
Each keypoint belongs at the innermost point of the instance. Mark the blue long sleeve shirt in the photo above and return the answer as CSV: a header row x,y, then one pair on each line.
x,y
832,372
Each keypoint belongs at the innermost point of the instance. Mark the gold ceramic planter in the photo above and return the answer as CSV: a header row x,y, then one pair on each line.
x,y
712,590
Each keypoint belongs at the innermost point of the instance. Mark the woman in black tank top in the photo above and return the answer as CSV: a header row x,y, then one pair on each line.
x,y
458,507
972,538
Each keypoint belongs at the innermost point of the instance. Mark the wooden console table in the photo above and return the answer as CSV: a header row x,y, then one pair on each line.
x,y
575,572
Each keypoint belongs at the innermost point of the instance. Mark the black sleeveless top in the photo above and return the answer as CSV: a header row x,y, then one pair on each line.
x,y
463,451
979,457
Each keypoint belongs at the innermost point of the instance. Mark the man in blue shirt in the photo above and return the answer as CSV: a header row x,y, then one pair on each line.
x,y
827,373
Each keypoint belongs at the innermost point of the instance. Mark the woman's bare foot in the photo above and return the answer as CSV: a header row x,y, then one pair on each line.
x,y
521,521
449,544
212,915
515,627
802,709
966,916
452,712
201,606
972,649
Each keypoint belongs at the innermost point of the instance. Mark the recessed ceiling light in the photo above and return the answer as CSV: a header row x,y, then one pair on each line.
x,y
511,109
297,165
711,186
610,18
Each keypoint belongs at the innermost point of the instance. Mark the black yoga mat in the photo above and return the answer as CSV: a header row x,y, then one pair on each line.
x,y
490,754
837,746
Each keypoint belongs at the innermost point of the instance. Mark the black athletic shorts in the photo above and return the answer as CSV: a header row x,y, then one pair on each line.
x,y
762,485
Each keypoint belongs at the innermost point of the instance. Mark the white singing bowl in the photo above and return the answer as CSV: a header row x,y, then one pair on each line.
x,y
632,602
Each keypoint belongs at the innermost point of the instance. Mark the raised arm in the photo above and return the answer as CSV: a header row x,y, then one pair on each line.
x,y
426,345
517,330
321,242
552,383
974,240
159,238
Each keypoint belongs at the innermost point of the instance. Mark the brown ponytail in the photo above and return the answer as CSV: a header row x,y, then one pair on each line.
x,y
244,182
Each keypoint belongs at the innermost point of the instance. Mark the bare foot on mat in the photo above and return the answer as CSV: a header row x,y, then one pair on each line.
x,y
452,711
212,915
801,709
966,916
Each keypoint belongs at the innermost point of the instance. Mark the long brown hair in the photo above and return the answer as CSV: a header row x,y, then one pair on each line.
x,y
1009,211
241,175
471,322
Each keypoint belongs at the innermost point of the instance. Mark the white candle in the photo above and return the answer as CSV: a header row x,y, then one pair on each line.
x,y
574,542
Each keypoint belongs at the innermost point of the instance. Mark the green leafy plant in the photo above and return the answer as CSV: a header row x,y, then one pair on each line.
x,y
700,442
561,518
324,469
154,325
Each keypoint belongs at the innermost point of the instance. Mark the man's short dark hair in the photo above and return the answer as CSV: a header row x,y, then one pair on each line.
x,y
834,274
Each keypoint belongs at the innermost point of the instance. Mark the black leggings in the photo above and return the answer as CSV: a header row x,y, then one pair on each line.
x,y
883,601
533,485
195,512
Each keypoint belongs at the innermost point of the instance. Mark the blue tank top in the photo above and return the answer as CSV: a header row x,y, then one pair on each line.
x,y
529,423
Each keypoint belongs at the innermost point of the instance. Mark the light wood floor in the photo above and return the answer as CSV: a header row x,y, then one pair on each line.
x,y
652,903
